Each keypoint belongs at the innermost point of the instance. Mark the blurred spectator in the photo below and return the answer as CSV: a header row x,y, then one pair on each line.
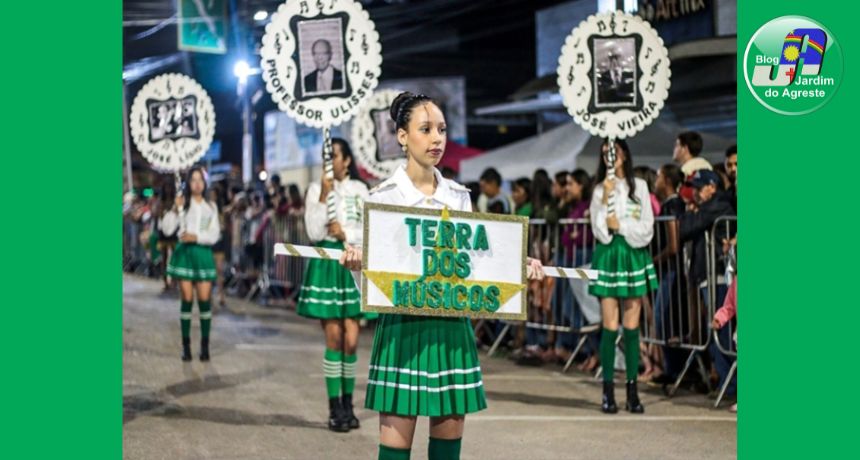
x,y
522,196
732,171
474,194
670,317
219,249
558,186
541,194
492,198
578,240
647,174
710,203
449,173
296,201
274,184
688,146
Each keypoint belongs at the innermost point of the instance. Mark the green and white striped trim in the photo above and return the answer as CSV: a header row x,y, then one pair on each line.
x,y
429,375
186,316
180,271
620,283
349,369
331,369
328,302
206,315
649,268
335,290
405,386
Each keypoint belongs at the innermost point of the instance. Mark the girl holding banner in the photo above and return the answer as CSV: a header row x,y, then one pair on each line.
x,y
191,263
437,353
329,293
625,269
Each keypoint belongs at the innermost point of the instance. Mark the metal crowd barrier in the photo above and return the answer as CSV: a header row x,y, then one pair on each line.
x,y
723,226
283,273
675,318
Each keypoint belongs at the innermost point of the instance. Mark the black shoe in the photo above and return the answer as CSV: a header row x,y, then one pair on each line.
x,y
348,414
609,406
204,349
633,404
186,349
336,420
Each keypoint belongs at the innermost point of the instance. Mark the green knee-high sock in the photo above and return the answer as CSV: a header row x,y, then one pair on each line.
x,y
349,373
332,370
185,318
390,453
205,317
631,353
444,449
607,353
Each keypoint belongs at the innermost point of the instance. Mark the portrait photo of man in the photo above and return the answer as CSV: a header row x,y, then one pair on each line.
x,y
321,60
615,72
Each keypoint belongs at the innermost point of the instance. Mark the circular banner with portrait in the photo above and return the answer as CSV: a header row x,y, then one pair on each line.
x,y
374,136
172,122
320,60
613,74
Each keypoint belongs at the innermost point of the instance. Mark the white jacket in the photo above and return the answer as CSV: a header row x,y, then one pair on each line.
x,y
636,220
350,196
399,190
200,219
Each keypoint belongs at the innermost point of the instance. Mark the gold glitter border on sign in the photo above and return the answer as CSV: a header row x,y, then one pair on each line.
x,y
406,210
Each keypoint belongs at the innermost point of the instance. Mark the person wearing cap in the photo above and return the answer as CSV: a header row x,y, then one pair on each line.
x,y
709,204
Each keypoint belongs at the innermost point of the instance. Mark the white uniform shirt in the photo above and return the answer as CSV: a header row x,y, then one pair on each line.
x,y
636,220
399,190
200,219
350,196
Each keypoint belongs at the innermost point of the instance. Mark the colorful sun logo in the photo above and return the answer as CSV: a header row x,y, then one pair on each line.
x,y
791,53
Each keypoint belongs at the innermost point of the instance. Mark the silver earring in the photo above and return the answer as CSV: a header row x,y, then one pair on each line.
x,y
403,147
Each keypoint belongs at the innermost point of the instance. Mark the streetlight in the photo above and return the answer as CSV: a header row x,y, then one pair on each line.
x,y
242,70
261,15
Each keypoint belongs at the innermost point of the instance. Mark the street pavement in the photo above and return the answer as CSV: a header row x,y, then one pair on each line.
x,y
262,396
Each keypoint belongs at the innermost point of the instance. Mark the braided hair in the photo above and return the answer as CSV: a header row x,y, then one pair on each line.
x,y
401,107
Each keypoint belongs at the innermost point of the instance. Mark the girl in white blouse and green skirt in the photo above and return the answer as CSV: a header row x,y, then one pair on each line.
x,y
624,266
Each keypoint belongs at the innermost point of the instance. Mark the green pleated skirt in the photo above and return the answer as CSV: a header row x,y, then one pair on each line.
x,y
192,262
623,271
424,366
329,290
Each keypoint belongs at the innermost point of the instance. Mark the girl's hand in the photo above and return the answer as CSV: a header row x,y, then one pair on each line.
x,y
534,269
326,186
335,230
608,186
715,324
179,201
612,223
351,258
188,238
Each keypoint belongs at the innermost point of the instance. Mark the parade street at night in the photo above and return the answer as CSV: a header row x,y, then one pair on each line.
x,y
261,397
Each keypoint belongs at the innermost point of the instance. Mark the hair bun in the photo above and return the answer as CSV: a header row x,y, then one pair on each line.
x,y
398,103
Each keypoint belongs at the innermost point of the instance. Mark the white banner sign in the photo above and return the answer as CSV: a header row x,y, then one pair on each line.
x,y
613,74
444,263
321,60
172,122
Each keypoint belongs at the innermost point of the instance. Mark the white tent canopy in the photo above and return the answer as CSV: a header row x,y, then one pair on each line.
x,y
568,147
